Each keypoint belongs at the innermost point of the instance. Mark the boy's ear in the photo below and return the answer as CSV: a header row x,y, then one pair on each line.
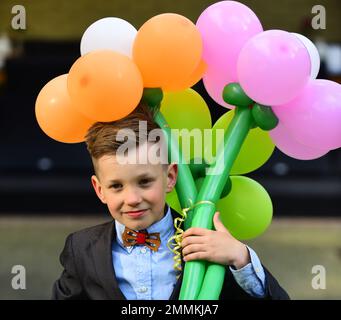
x,y
172,174
98,188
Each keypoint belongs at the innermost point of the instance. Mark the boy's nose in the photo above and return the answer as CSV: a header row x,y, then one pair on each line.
x,y
132,197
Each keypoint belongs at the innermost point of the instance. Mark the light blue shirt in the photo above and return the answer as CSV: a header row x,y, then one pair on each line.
x,y
143,274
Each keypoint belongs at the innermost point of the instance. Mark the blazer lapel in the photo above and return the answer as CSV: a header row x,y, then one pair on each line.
x,y
102,255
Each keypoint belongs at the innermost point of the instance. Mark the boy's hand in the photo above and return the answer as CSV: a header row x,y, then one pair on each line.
x,y
216,246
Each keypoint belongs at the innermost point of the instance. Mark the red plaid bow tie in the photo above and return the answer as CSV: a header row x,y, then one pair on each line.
x,y
131,238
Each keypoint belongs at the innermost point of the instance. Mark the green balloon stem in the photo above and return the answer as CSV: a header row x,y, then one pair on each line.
x,y
227,188
213,282
198,169
194,272
185,185
204,280
152,97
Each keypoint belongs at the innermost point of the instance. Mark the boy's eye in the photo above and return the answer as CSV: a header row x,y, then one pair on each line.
x,y
116,186
145,181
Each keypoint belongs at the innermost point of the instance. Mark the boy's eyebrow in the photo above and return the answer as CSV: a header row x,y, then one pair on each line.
x,y
143,175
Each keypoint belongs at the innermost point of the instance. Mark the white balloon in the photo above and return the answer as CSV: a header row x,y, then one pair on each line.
x,y
313,53
109,33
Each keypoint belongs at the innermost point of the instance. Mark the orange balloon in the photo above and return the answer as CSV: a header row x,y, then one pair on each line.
x,y
56,116
167,50
105,85
192,80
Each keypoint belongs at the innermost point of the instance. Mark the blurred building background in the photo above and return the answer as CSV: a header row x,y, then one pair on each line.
x,y
39,176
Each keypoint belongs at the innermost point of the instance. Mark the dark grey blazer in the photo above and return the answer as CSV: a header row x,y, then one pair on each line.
x,y
89,273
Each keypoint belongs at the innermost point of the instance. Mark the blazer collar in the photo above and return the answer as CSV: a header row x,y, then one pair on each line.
x,y
102,255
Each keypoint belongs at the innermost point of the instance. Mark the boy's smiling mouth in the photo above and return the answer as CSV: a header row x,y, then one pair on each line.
x,y
135,214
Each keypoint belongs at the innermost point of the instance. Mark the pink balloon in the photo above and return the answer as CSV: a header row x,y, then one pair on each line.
x,y
273,67
225,27
314,116
288,145
214,82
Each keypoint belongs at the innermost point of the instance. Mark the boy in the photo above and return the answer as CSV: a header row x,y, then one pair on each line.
x,y
128,257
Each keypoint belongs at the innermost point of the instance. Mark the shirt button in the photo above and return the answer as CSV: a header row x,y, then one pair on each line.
x,y
143,250
143,289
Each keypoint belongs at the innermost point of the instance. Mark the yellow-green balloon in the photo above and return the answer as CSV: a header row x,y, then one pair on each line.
x,y
173,200
187,110
256,149
247,210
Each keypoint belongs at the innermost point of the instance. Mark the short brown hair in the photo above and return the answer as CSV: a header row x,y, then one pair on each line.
x,y
101,138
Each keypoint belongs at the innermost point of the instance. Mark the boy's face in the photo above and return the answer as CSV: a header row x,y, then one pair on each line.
x,y
134,193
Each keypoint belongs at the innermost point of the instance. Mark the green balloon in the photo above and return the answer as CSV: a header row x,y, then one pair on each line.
x,y
264,117
173,200
255,151
187,110
247,210
234,95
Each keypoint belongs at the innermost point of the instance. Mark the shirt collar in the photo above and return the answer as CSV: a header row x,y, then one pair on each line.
x,y
163,226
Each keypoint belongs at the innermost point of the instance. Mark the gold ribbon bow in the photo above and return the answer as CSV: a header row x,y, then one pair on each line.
x,y
175,241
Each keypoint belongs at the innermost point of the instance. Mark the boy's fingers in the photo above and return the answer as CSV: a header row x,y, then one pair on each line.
x,y
192,248
195,232
192,240
196,256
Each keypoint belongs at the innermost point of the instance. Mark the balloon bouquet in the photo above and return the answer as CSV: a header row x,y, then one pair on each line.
x,y
265,79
